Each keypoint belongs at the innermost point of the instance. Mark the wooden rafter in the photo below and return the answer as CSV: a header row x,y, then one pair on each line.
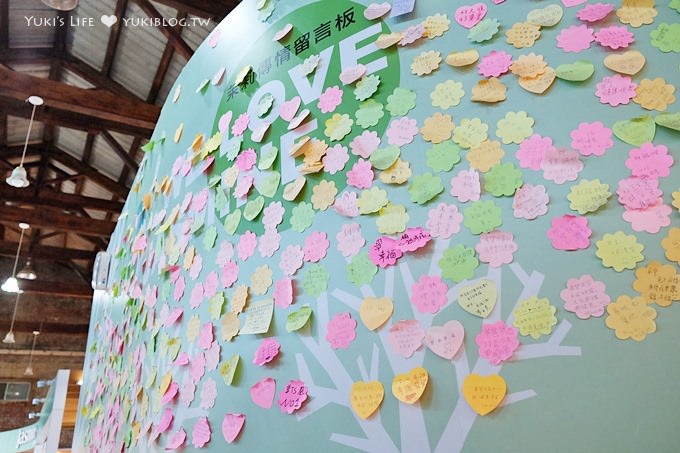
x,y
46,327
163,65
40,218
4,25
96,78
65,289
114,37
170,33
128,160
87,155
202,8
95,105
51,198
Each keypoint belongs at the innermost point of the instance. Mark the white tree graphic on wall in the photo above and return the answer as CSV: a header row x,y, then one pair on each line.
x,y
414,437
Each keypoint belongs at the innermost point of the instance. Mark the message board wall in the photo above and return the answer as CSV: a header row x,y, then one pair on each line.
x,y
449,226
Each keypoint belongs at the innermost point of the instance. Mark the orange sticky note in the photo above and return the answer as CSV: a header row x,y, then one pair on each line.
x,y
484,393
409,387
374,312
365,397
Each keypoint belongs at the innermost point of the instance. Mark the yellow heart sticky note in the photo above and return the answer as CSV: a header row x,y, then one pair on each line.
x,y
165,382
385,41
484,393
540,83
374,312
366,397
629,63
409,387
478,299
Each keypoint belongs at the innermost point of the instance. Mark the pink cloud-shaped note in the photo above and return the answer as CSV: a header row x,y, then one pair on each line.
x,y
246,245
363,145
616,90
638,193
316,246
293,396
496,248
350,239
241,124
651,161
532,151
595,12
530,202
413,239
361,175
283,292
429,294
346,204
570,232
335,159
177,440
494,64
614,37
575,38
208,394
591,139
650,219
267,351
269,243
406,337
273,214
330,99
385,252
402,131
246,159
497,342
465,186
585,297
229,274
201,433
561,165
291,259
444,220
341,331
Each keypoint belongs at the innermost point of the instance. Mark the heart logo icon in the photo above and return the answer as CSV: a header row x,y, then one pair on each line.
x,y
374,312
262,392
484,393
445,341
109,21
409,387
366,397
232,425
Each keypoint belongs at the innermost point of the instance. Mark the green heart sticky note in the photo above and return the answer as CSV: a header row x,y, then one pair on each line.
x,y
669,120
577,71
636,131
297,319
269,185
267,158
478,299
231,221
253,208
383,158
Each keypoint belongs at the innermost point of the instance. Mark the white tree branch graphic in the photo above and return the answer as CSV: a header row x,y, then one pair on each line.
x,y
413,434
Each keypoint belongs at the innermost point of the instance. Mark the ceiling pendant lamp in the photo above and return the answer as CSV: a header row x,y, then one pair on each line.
x,y
9,338
29,368
11,285
18,178
61,5
27,272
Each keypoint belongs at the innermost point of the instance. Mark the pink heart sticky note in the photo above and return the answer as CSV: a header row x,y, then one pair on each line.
x,y
177,440
377,10
166,420
201,433
446,340
262,392
469,16
406,337
351,75
170,393
232,426
289,108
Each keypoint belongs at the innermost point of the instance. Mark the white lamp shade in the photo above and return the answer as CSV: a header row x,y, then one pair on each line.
x,y
27,273
61,5
29,371
18,178
9,338
11,285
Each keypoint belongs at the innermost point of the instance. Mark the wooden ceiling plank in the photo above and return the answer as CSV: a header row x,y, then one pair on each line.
x,y
71,120
97,104
127,159
87,155
96,78
163,65
44,252
39,218
114,37
76,290
4,24
202,8
47,327
170,33
26,55
91,173
65,201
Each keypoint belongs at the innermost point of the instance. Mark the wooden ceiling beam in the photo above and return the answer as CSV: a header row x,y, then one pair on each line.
x,y
202,8
52,198
62,179
45,327
39,218
4,24
171,34
77,290
96,78
71,120
163,65
26,55
44,252
114,37
127,159
96,104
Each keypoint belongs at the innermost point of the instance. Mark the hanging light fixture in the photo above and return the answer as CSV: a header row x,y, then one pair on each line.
x,y
18,177
29,368
11,285
61,5
27,272
9,338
